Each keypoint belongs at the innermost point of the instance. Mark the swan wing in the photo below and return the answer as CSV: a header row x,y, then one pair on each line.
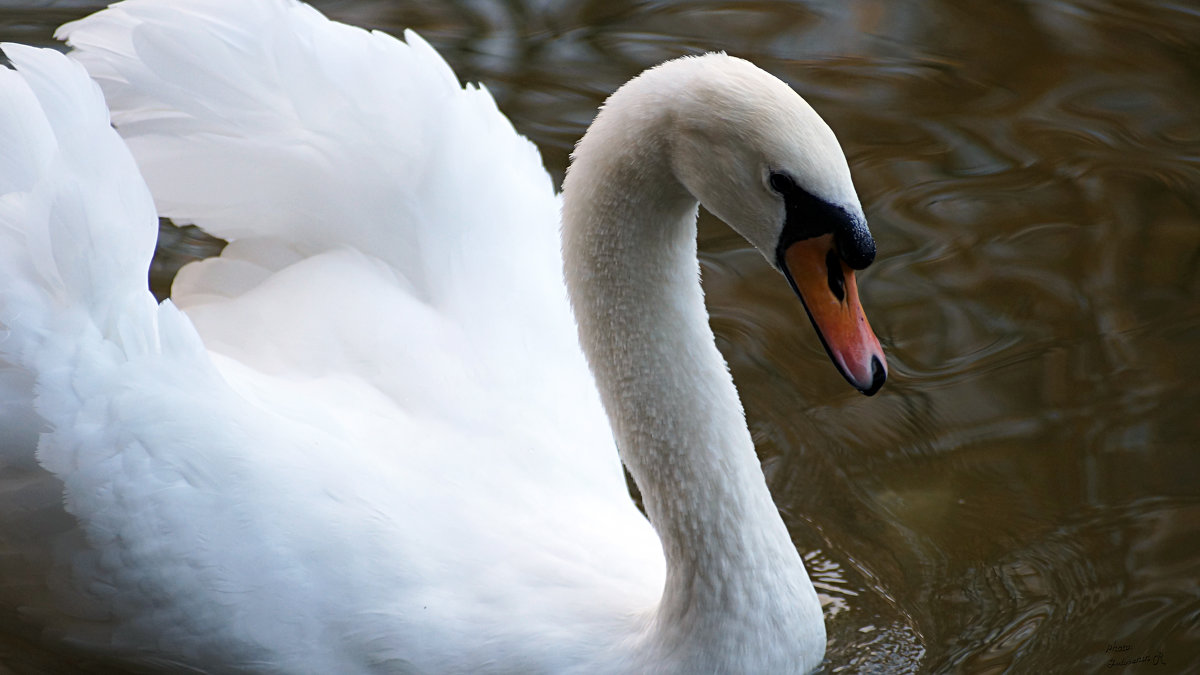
x,y
387,223
108,372
264,119
228,502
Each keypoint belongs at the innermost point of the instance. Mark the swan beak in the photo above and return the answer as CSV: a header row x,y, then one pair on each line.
x,y
829,291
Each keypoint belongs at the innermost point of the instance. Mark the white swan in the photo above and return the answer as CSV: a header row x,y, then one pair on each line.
x,y
371,443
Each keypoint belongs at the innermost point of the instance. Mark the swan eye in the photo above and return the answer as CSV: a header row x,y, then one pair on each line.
x,y
781,183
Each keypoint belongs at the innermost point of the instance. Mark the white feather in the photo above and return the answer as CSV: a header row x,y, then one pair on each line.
x,y
235,511
365,438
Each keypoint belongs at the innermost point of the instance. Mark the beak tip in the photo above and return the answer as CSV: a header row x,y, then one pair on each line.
x,y
878,377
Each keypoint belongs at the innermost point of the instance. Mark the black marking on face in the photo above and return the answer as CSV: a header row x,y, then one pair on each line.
x,y
855,245
808,216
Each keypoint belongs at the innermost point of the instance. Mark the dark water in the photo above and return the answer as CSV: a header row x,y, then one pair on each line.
x,y
1024,494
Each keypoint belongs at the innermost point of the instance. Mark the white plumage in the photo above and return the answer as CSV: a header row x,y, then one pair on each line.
x,y
370,441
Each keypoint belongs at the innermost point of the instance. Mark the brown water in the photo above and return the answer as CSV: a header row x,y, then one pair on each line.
x,y
1024,494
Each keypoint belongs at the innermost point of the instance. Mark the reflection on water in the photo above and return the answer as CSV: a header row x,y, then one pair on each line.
x,y
1022,496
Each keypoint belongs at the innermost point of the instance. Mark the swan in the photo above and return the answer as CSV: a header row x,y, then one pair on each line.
x,y
383,431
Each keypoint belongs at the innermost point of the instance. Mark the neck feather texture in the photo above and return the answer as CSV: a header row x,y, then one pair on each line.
x,y
736,590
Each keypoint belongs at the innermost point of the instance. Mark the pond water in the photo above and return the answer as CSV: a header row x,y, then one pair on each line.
x,y
1024,494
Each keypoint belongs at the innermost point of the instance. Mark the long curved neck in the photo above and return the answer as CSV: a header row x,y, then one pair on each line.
x,y
629,239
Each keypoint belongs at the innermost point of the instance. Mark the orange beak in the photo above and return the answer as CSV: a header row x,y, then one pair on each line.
x,y
827,287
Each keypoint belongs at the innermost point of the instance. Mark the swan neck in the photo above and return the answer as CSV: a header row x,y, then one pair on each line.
x,y
629,237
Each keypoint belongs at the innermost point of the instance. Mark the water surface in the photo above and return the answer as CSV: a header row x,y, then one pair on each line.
x,y
1023,494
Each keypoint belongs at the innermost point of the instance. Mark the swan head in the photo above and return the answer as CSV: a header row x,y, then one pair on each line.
x,y
757,156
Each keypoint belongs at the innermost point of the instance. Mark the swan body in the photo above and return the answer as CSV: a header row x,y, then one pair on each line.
x,y
366,438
